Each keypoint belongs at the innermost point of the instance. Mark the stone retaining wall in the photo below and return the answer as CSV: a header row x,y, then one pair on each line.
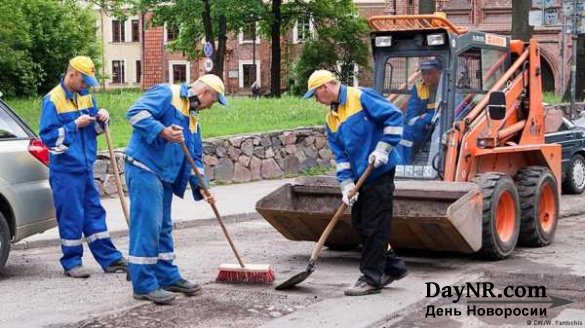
x,y
245,158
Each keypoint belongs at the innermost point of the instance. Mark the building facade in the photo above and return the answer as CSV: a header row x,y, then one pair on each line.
x,y
121,50
129,62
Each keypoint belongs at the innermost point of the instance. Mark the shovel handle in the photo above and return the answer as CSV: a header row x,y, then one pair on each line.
x,y
340,210
213,207
116,173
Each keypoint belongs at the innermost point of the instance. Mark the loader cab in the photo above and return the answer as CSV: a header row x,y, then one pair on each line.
x,y
470,64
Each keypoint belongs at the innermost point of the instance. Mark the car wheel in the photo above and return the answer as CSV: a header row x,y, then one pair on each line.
x,y
4,241
575,180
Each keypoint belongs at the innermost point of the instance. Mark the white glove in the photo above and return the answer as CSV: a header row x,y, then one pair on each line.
x,y
379,156
346,187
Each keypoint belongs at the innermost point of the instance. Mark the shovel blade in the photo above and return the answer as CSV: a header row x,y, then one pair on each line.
x,y
294,280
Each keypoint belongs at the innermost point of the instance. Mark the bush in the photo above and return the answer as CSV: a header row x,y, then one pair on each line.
x,y
37,39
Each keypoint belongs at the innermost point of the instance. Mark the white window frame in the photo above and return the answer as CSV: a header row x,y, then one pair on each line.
x,y
124,80
180,62
296,31
241,64
165,34
130,19
355,73
112,19
241,36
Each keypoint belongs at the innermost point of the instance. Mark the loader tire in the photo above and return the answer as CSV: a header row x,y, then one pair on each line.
x,y
501,215
539,202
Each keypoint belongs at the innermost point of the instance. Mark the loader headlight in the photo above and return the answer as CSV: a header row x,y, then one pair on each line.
x,y
436,39
383,41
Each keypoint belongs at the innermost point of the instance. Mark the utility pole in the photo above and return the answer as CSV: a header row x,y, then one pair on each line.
x,y
574,60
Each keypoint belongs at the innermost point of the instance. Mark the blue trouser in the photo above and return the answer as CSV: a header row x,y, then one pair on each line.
x,y
413,137
78,207
151,240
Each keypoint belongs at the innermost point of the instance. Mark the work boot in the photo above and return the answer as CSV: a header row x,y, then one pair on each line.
x,y
184,286
120,265
158,296
77,272
387,279
361,288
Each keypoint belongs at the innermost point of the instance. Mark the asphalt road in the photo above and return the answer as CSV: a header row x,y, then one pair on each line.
x,y
35,293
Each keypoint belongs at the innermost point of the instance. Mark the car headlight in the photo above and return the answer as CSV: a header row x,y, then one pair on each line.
x,y
436,39
383,41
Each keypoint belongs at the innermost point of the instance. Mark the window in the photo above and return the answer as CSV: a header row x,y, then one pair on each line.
x,y
118,31
172,32
303,29
247,74
179,73
348,73
118,71
248,33
477,71
138,71
9,127
400,77
135,30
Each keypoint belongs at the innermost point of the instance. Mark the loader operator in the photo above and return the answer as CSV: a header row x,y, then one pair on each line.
x,y
364,128
156,168
69,125
418,123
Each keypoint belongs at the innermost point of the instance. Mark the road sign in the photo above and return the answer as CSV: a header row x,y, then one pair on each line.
x,y
551,17
208,65
208,49
535,18
538,3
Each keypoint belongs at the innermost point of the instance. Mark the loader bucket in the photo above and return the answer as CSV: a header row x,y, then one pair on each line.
x,y
433,215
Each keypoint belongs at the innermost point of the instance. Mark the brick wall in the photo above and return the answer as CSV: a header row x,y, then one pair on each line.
x,y
487,15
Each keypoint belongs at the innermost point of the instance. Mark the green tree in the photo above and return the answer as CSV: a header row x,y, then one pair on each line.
x,y
339,42
520,28
199,21
37,39
18,74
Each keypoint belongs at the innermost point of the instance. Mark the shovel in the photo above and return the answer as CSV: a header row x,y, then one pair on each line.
x,y
300,277
116,173
118,180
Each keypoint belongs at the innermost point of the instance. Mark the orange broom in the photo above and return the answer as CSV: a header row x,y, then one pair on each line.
x,y
247,273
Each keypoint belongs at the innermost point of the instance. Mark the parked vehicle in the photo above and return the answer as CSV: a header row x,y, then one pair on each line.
x,y
26,203
572,140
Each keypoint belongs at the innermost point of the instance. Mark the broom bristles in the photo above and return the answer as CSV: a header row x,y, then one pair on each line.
x,y
250,273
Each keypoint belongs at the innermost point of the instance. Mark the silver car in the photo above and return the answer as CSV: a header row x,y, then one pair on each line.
x,y
26,203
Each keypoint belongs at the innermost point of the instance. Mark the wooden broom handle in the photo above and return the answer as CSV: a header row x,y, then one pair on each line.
x,y
206,191
116,173
338,214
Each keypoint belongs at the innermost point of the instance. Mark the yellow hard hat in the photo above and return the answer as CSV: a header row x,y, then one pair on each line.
x,y
85,66
214,82
317,79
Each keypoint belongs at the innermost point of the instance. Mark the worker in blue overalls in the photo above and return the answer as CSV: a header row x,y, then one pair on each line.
x,y
363,128
420,114
156,168
69,125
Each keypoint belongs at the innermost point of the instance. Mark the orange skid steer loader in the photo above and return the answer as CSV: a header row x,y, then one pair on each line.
x,y
483,181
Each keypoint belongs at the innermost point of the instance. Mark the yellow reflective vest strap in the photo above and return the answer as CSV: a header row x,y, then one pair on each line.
x,y
351,107
64,105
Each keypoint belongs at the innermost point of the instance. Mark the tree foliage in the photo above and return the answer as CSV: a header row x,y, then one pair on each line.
x,y
338,44
37,39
